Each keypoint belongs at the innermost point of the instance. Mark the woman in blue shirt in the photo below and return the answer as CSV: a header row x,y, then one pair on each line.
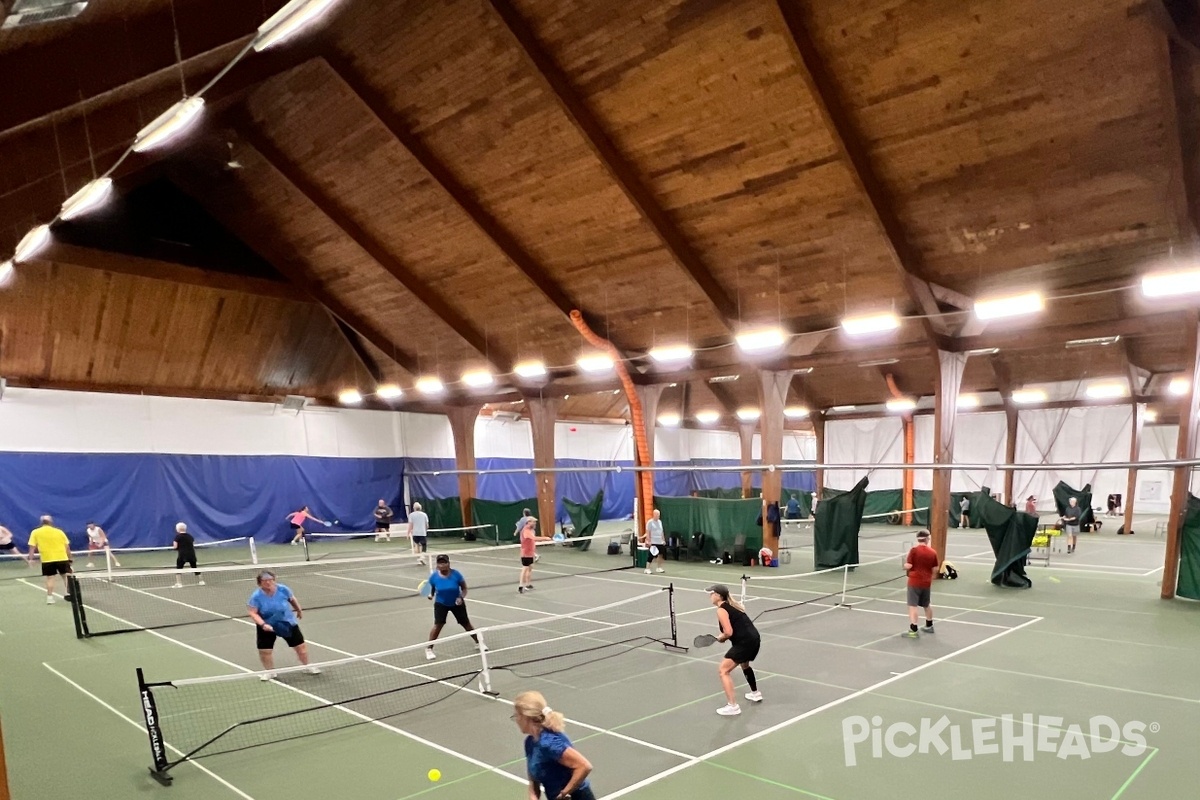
x,y
449,597
553,764
272,606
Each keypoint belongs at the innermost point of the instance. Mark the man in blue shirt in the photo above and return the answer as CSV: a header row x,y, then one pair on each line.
x,y
793,508
449,597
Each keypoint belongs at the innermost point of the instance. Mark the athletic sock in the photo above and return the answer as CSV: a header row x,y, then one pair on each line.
x,y
928,624
749,673
912,628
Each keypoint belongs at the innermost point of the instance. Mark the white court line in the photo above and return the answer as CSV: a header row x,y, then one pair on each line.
x,y
786,723
142,728
1151,572
309,695
1072,681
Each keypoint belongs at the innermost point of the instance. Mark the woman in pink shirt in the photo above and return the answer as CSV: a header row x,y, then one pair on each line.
x,y
296,522
529,540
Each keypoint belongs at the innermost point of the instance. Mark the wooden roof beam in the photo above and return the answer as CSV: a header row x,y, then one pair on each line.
x,y
1165,323
487,224
122,264
356,346
559,86
848,142
342,219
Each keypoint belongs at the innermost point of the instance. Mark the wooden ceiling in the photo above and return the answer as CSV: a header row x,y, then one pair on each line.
x,y
427,187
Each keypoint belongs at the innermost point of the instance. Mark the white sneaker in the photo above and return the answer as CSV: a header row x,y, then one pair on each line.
x,y
313,670
660,569
49,599
177,586
647,570
429,654
93,566
293,543
200,582
728,710
267,676
754,697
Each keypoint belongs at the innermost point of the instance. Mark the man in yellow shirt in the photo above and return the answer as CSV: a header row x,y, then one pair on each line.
x,y
55,550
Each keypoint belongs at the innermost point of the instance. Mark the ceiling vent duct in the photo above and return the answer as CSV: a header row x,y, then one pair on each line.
x,y
35,12
294,402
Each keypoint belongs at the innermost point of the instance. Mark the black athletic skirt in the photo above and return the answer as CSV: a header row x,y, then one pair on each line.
x,y
744,652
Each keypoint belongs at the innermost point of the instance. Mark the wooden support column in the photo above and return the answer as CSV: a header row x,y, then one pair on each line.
x,y
817,418
1010,451
1185,448
773,387
462,428
950,368
543,412
1135,452
649,396
746,435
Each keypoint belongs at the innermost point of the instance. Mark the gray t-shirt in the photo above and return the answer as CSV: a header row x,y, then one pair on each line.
x,y
655,529
964,504
420,523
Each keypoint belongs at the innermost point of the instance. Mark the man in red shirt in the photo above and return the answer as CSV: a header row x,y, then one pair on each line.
x,y
921,563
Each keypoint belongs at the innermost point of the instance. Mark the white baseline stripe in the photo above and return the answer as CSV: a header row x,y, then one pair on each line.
x,y
786,723
142,728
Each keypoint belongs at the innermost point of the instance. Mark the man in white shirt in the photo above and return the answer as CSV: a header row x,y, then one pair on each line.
x,y
97,540
418,530
657,542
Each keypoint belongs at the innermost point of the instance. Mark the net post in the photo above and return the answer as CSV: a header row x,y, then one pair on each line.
x,y
485,674
158,746
253,552
745,583
845,581
674,643
77,612
304,544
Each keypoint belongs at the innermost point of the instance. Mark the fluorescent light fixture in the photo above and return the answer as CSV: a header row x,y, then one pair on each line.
x,y
1150,415
430,384
594,362
6,271
901,404
1017,305
390,391
984,351
761,341
669,420
1171,284
288,20
1029,396
671,354
87,198
724,379
968,401
478,378
748,414
1099,341
839,409
530,369
795,412
882,362
1105,391
349,397
707,417
874,323
1178,386
169,124
804,371
31,243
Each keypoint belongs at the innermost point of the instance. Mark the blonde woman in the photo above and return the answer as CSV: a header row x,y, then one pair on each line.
x,y
737,627
552,763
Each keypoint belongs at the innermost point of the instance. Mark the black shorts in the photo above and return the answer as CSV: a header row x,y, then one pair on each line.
x,y
526,561
421,542
293,526
8,546
380,527
744,652
266,639
181,560
55,568
460,614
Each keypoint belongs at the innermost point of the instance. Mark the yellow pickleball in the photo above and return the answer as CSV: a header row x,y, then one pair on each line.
x,y
435,775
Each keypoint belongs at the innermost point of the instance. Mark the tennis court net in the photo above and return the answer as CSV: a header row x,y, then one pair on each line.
x,y
199,717
776,599
239,550
130,600
318,546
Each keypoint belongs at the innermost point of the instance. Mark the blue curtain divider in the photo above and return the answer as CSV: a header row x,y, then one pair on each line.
x,y
138,498
432,487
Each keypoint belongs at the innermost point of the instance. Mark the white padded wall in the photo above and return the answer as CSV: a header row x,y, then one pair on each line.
x,y
426,436
864,441
593,442
1075,435
502,438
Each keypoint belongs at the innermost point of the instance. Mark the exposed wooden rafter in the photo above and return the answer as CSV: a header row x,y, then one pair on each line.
x,y
559,86
371,245
360,353
848,142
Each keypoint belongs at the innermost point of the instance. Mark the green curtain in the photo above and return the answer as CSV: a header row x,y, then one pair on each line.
x,y
1083,498
835,534
1188,584
1011,534
585,517
719,520
505,516
444,513
725,494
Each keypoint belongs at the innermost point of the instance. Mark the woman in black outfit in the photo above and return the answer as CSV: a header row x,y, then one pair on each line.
x,y
737,628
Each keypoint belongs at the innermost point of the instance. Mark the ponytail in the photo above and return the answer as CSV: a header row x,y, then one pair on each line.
x,y
532,705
